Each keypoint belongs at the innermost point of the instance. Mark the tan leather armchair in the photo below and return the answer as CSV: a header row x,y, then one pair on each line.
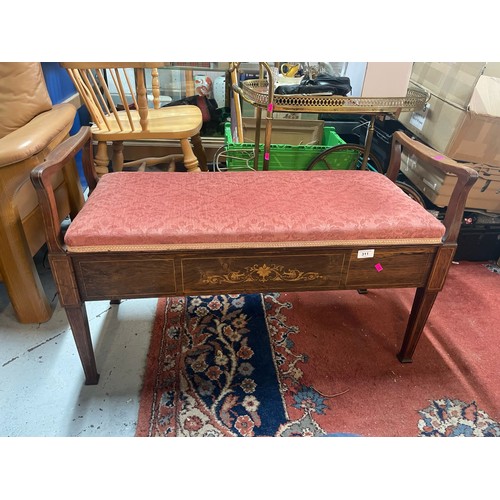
x,y
30,128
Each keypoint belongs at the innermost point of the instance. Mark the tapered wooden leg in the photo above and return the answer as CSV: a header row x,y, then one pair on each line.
x,y
199,151
190,160
69,297
77,317
422,305
424,300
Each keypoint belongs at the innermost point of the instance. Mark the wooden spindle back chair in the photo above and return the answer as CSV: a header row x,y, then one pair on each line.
x,y
116,96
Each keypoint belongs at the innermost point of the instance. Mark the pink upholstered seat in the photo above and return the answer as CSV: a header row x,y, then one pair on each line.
x,y
149,210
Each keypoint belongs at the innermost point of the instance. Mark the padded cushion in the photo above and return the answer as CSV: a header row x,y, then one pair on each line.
x,y
23,95
35,136
217,209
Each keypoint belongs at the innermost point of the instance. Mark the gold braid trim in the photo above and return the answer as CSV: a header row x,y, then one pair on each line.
x,y
253,244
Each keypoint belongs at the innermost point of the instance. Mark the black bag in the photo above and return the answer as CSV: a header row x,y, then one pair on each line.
x,y
207,106
214,118
322,84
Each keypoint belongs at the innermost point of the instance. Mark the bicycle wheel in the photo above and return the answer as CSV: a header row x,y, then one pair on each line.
x,y
345,157
411,192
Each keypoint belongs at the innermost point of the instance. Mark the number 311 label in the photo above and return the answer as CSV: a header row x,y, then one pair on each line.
x,y
366,254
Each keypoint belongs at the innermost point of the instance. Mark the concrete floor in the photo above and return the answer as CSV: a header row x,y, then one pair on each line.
x,y
42,394
42,391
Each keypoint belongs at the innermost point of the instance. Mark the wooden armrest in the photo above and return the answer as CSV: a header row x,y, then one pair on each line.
x,y
466,177
41,175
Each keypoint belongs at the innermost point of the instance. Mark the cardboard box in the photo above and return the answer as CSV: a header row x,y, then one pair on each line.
x,y
454,82
292,132
466,133
437,186
386,79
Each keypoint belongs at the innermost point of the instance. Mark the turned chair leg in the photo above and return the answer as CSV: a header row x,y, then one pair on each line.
x,y
117,161
190,160
199,151
101,159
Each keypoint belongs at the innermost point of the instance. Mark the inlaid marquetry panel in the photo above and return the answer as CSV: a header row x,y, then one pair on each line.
x,y
261,273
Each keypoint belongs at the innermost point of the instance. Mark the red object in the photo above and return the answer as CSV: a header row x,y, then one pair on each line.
x,y
142,209
340,346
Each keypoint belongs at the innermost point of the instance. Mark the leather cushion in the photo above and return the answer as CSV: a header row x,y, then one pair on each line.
x,y
37,134
23,94
154,208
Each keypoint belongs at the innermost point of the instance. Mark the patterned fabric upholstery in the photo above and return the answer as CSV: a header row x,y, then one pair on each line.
x,y
149,209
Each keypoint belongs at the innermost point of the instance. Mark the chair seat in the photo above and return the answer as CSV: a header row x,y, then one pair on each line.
x,y
174,122
154,210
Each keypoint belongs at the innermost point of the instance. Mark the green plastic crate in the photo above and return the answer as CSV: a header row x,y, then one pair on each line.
x,y
240,156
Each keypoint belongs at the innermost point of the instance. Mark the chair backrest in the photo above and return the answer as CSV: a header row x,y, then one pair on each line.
x,y
23,95
115,92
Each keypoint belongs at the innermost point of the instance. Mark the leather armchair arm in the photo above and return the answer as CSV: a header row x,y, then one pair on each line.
x,y
29,140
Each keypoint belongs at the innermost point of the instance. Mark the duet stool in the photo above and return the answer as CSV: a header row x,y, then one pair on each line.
x,y
151,234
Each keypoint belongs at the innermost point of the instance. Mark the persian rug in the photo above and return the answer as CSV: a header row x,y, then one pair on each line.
x,y
324,364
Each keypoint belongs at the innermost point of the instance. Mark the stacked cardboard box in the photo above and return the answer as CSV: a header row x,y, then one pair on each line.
x,y
437,187
386,79
462,121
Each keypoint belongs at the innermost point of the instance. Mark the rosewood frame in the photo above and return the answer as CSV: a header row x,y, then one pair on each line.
x,y
82,276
